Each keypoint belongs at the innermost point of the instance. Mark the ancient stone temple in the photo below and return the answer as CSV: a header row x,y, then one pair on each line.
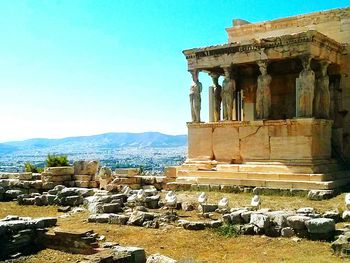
x,y
279,118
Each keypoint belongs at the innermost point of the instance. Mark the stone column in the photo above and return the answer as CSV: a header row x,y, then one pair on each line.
x,y
263,93
305,90
322,94
211,103
227,95
215,101
195,96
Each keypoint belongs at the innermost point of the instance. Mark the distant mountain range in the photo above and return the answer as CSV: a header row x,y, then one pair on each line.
x,y
101,141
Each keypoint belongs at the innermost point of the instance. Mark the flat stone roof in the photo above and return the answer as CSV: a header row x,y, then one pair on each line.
x,y
310,42
263,43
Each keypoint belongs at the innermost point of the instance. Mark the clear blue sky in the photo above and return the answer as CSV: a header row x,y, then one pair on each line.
x,y
86,67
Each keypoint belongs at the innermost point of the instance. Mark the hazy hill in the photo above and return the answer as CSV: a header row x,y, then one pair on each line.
x,y
102,141
4,148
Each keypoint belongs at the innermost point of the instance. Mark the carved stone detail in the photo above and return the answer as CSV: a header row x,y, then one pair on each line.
x,y
263,93
305,89
195,97
227,95
322,94
217,97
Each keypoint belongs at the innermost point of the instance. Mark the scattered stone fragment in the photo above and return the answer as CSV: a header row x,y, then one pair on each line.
x,y
320,228
207,208
214,224
118,219
158,258
287,232
346,216
99,218
137,218
297,222
306,211
137,254
189,225
64,209
341,246
12,194
260,220
187,206
319,195
335,215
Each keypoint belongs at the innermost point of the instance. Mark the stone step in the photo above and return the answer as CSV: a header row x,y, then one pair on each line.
x,y
326,185
279,168
264,176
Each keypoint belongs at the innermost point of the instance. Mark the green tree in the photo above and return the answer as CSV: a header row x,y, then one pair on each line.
x,y
31,168
57,160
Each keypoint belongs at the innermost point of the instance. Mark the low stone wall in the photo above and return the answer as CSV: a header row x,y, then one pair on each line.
x,y
83,174
19,235
14,184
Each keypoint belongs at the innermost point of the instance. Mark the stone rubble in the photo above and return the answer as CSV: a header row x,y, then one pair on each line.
x,y
19,235
119,207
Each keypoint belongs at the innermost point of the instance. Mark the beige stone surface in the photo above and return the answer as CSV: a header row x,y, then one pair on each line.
x,y
321,144
200,142
254,142
93,184
258,140
25,176
47,177
171,171
127,180
82,177
86,167
64,170
84,184
331,23
226,144
292,147
300,127
128,171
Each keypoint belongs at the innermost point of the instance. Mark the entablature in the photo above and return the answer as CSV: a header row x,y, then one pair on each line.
x,y
311,43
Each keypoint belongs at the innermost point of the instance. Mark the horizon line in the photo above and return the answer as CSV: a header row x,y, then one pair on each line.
x,y
80,136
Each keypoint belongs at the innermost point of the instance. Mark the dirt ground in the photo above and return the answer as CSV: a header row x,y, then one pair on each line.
x,y
202,246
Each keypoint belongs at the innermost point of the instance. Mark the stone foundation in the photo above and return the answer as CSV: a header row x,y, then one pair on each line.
x,y
281,154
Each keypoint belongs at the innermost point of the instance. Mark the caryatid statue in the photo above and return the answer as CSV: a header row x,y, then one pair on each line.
x,y
306,89
227,95
195,97
322,95
217,96
263,93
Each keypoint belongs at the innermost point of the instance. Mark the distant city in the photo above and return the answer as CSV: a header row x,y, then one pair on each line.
x,y
151,151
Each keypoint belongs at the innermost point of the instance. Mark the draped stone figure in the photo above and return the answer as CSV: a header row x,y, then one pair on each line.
x,y
322,95
227,95
306,89
263,93
217,97
195,97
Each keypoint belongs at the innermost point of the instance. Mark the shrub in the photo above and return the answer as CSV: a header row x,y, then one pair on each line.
x,y
30,168
57,160
227,230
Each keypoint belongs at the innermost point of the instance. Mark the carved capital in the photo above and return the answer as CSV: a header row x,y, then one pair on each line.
x,y
324,67
194,74
227,72
306,61
263,66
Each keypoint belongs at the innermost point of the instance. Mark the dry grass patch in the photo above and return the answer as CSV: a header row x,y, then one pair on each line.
x,y
203,246
273,202
12,208
208,246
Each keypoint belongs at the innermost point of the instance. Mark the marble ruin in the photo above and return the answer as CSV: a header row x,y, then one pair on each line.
x,y
280,119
